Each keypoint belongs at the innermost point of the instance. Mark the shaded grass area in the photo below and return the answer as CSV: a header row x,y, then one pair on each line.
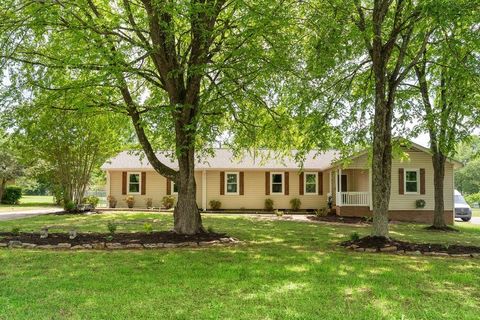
x,y
28,203
286,270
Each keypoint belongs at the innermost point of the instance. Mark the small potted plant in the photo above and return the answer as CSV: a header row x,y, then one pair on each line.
x,y
130,200
168,202
112,202
149,203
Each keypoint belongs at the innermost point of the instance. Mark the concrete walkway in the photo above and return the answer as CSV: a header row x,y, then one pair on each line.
x,y
12,215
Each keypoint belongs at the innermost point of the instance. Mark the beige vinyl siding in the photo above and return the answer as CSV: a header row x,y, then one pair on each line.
x,y
254,192
198,181
416,160
156,189
357,180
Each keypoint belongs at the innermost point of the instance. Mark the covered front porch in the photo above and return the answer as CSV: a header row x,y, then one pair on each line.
x,y
351,187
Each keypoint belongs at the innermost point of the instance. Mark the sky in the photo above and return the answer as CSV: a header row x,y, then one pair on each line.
x,y
422,140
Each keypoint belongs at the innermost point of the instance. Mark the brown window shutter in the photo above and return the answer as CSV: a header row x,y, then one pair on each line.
x,y
267,183
222,183
300,184
287,183
242,190
422,181
401,184
169,186
124,183
320,183
144,183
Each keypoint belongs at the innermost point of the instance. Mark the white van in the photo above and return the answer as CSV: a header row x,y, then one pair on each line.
x,y
462,209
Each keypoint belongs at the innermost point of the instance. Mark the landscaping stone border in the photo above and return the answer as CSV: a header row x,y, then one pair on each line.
x,y
120,246
395,250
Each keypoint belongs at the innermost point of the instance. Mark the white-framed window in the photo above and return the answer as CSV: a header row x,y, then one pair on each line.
x,y
232,183
310,182
134,182
412,180
276,182
174,187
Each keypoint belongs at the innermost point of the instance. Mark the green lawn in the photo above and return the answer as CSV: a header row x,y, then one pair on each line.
x,y
286,270
28,203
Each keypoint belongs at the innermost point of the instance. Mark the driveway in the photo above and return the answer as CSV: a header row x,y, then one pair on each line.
x,y
28,213
475,220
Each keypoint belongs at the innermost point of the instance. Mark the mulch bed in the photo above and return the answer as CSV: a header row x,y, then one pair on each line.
x,y
444,229
334,218
116,241
380,244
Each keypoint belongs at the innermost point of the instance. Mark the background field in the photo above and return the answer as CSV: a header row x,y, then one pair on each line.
x,y
476,212
28,203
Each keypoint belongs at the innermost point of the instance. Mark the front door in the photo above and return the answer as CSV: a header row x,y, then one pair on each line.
x,y
344,183
342,187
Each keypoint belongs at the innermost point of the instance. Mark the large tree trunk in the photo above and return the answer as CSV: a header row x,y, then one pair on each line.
x,y
438,160
187,219
381,166
438,135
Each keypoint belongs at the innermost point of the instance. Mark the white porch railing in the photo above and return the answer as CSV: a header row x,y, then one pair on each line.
x,y
354,198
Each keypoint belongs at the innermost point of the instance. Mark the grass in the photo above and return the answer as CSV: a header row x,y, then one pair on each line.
x,y
28,203
285,270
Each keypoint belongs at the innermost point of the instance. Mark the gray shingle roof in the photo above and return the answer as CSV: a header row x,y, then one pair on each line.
x,y
224,159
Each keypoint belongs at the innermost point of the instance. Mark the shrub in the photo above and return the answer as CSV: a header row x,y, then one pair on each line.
x,y
11,195
72,234
70,206
295,204
368,219
420,203
330,202
92,200
168,202
149,202
112,202
15,231
354,236
112,227
269,204
322,212
472,199
44,233
130,200
215,204
148,227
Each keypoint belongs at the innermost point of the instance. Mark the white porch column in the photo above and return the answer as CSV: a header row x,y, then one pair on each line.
x,y
107,189
339,179
330,183
370,188
204,190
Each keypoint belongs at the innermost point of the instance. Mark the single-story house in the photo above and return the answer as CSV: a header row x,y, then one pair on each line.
x,y
243,183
